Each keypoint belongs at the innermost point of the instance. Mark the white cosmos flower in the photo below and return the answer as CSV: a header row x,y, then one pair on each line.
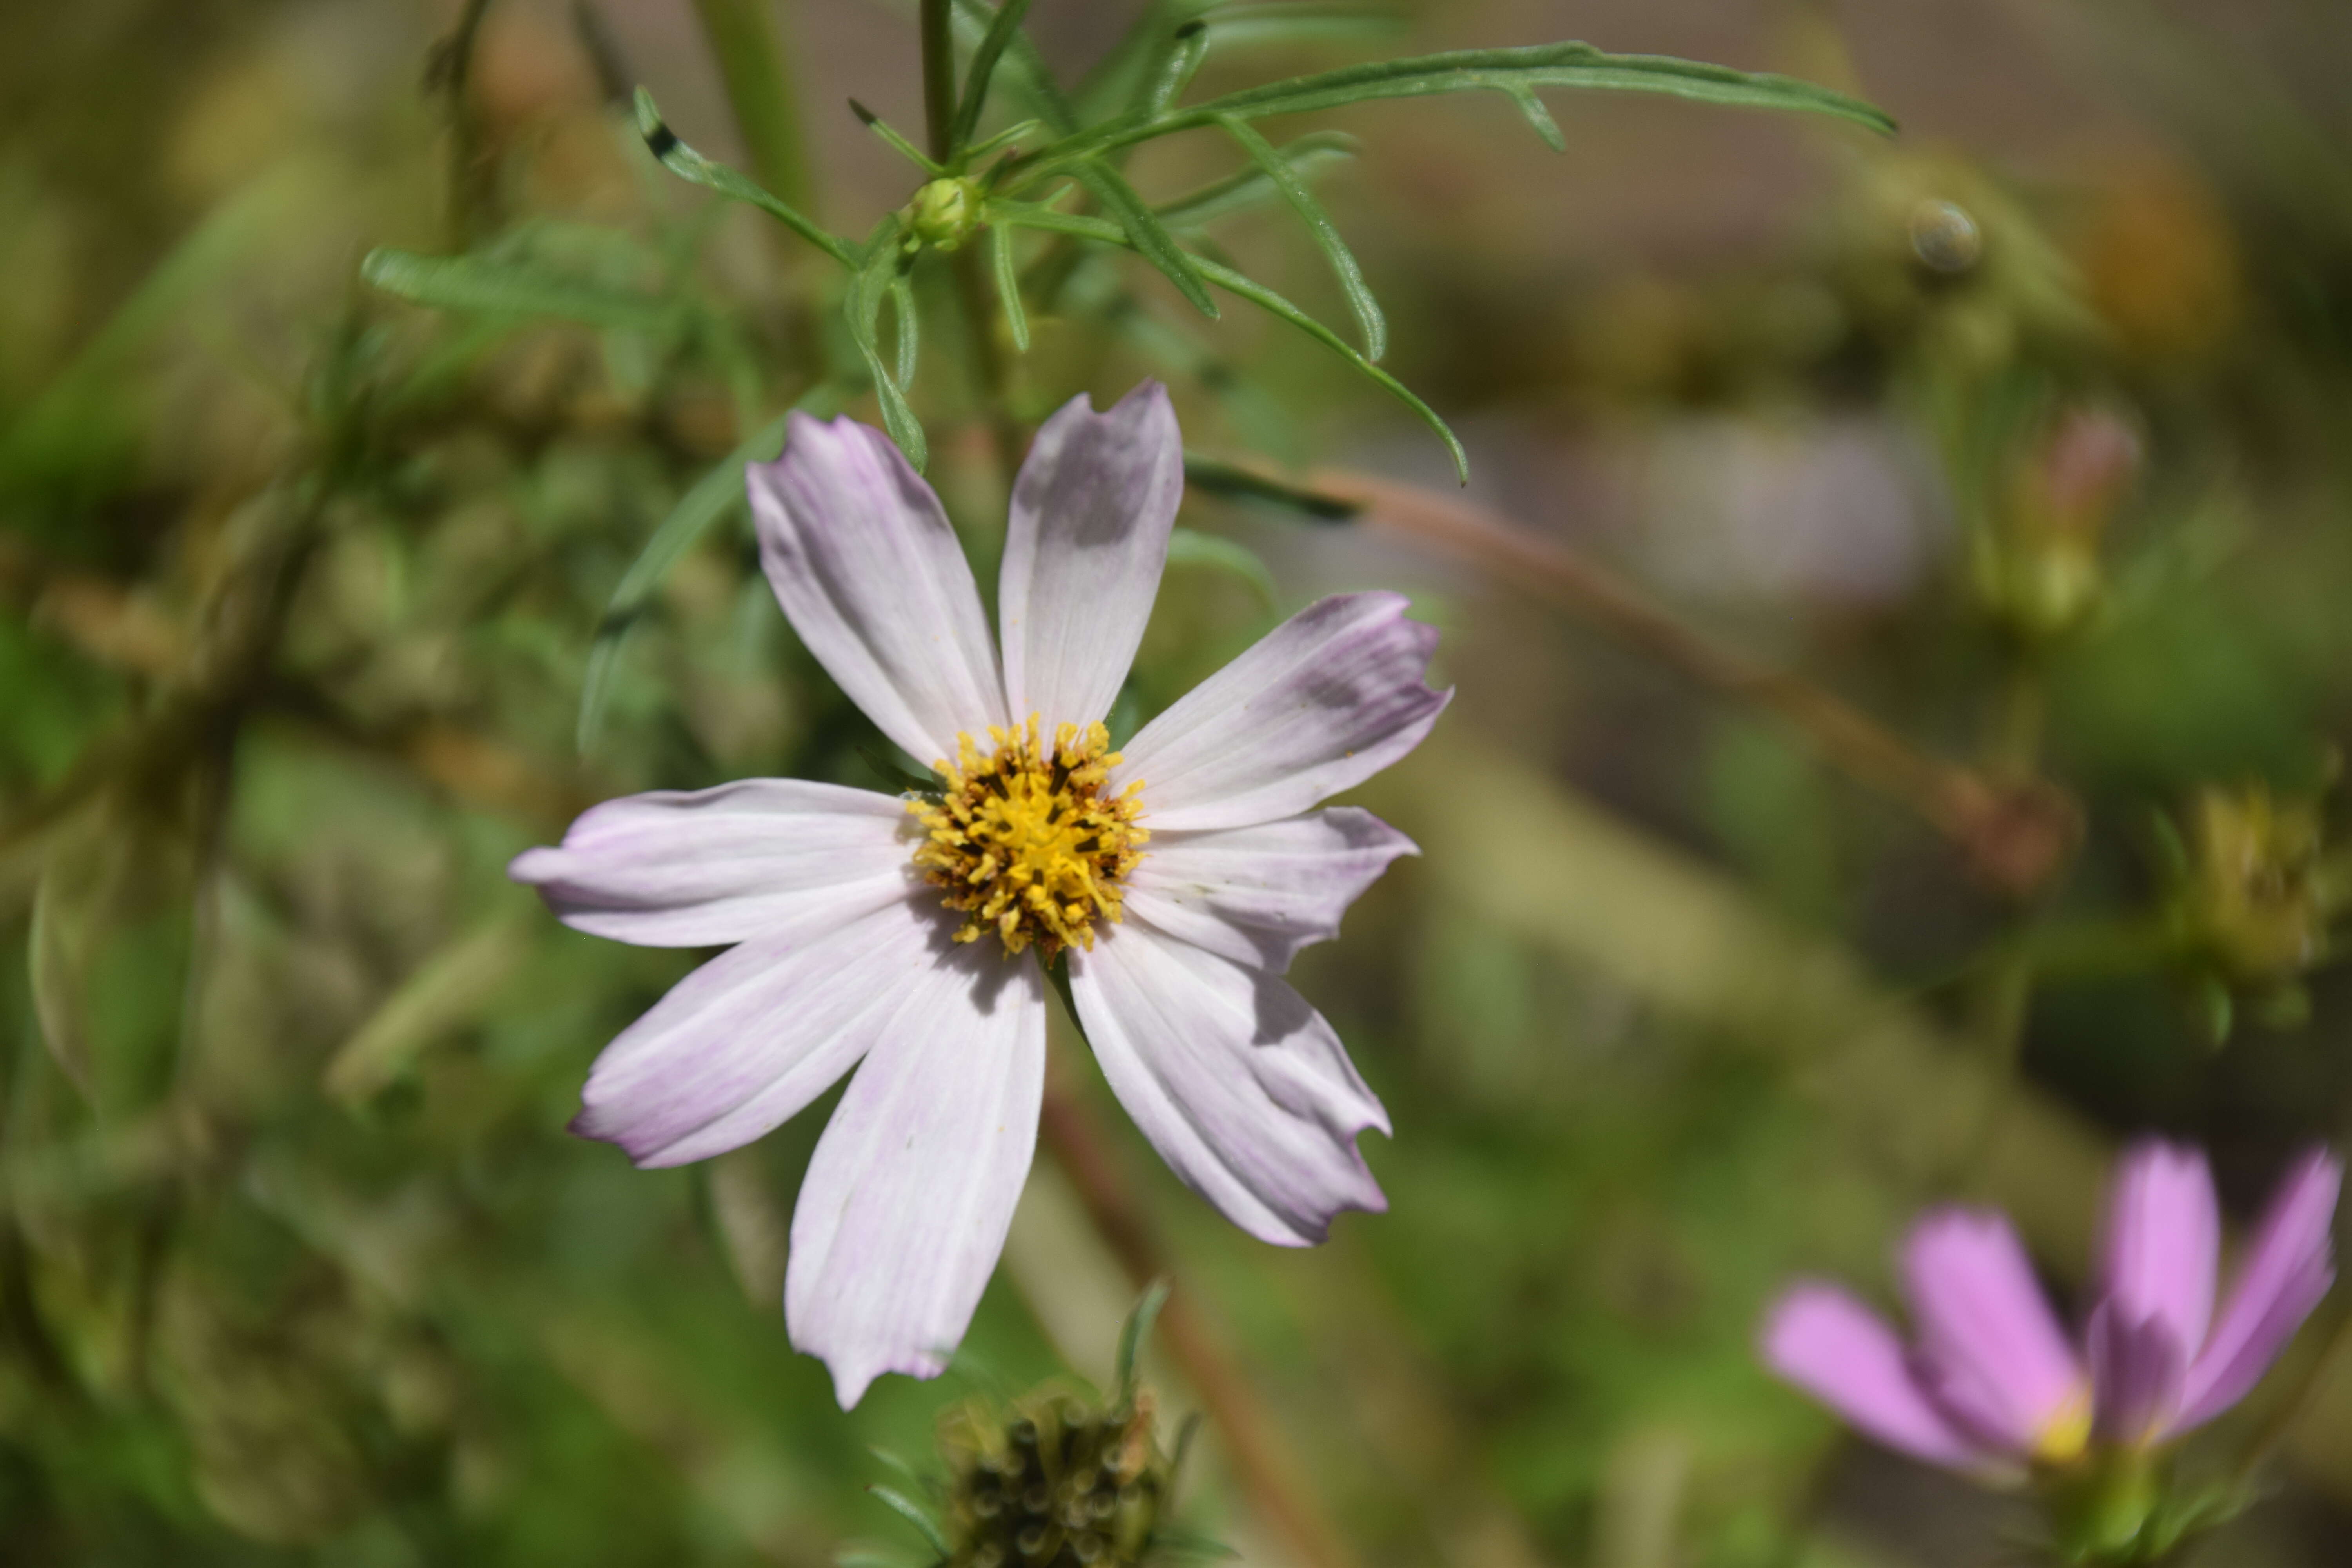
x,y
1176,881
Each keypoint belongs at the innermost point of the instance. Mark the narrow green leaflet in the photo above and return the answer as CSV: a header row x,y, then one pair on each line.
x,y
1146,233
861,307
896,140
1246,188
1186,50
1279,25
1029,216
1318,223
1022,70
910,325
1190,547
487,287
711,497
1002,28
688,165
1138,1329
915,1514
1007,268
1514,72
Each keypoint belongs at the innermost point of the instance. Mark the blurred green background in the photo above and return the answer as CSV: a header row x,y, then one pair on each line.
x,y
2029,434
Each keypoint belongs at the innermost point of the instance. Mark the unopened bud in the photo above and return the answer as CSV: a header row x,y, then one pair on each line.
x,y
945,212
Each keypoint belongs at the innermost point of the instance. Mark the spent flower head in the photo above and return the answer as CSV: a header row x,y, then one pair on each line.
x,y
1168,884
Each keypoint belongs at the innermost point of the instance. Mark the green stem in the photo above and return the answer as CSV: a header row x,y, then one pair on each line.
x,y
743,39
940,76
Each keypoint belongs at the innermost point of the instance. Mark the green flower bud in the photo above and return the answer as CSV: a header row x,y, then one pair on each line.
x,y
945,212
2256,900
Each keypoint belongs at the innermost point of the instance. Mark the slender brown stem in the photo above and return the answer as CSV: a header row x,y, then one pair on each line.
x,y
473,174
2015,836
1262,1462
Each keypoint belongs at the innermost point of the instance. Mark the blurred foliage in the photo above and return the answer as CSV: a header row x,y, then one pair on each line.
x,y
2034,453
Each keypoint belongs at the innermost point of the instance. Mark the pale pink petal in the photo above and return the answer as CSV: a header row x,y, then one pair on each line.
x,y
1258,895
1322,702
1837,1350
1084,551
1991,1352
669,869
2288,1266
905,1203
751,1037
872,578
1243,1087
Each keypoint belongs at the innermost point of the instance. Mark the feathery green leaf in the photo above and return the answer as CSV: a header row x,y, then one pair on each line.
x,y
1031,216
1001,27
489,287
688,165
861,307
1245,188
1146,233
1007,271
1511,72
1319,223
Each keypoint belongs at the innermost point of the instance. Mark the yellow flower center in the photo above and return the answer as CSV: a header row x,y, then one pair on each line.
x,y
2067,1433
1028,843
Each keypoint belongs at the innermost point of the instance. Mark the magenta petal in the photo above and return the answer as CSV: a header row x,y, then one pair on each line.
x,y
1990,1350
1826,1343
1243,1087
1084,549
2288,1266
1319,704
2136,1369
904,1209
670,870
2163,1242
1258,895
873,579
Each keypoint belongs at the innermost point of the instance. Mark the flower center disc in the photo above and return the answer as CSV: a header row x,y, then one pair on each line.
x,y
1028,843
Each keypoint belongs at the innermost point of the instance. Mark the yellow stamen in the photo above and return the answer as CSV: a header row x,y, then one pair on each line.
x,y
1028,843
2067,1433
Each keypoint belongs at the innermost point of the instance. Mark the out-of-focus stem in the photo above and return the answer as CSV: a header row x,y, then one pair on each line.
x,y
2015,835
760,91
472,173
1261,1461
939,75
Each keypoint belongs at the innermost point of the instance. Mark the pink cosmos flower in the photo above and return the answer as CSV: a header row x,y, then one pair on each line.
x,y
1993,1384
903,937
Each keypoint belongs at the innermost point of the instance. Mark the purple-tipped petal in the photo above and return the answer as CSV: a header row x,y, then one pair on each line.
x,y
1837,1350
906,1200
1083,554
1243,1087
723,864
2163,1243
1321,703
2136,1370
751,1037
1258,895
870,574
2288,1266
1991,1352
